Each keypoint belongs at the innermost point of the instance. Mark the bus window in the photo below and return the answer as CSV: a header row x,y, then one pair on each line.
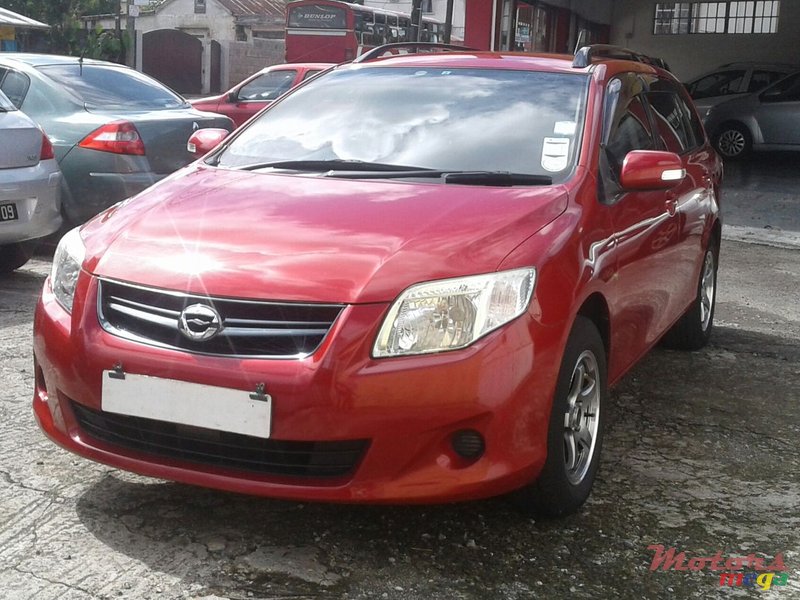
x,y
364,27
405,29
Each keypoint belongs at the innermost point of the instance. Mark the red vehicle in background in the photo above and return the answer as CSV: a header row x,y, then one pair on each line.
x,y
257,91
329,30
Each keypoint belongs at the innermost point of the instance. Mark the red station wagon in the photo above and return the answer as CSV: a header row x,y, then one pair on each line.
x,y
411,280
259,90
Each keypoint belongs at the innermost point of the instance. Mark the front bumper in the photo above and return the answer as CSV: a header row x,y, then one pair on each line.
x,y
407,409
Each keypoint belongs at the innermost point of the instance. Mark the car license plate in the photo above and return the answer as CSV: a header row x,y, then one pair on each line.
x,y
8,212
185,403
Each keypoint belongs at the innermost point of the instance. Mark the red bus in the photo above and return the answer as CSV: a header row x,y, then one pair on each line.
x,y
334,31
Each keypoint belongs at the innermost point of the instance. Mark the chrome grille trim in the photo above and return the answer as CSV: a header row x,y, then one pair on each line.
x,y
136,313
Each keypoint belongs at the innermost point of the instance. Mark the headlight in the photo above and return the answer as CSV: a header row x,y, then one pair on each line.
x,y
67,263
453,313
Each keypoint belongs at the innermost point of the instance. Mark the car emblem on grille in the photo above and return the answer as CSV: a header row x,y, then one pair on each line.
x,y
195,126
199,322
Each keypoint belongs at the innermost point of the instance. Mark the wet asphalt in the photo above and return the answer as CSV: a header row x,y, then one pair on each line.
x,y
701,454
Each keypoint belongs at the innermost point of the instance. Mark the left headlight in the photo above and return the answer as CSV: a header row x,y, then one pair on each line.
x,y
453,313
67,263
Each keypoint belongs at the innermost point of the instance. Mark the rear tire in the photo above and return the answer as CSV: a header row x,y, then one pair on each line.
x,y
575,435
13,256
693,330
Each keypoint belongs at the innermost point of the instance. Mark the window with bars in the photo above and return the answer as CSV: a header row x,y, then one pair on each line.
x,y
751,16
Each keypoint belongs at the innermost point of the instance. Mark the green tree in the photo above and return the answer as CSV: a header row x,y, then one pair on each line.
x,y
66,34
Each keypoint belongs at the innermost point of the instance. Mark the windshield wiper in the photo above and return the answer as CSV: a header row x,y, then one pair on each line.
x,y
331,165
498,178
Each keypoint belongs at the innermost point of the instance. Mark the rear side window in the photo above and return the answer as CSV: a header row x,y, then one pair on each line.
x,y
310,74
5,103
103,87
788,90
15,86
673,121
761,79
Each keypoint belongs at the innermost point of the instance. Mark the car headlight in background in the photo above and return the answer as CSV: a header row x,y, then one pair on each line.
x,y
453,313
67,263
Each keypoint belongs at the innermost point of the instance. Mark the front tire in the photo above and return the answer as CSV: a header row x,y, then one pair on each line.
x,y
575,433
733,141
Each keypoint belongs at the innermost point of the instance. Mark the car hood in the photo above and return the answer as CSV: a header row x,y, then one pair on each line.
x,y
308,238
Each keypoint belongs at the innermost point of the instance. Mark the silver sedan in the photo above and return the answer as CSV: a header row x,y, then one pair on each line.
x,y
30,186
767,120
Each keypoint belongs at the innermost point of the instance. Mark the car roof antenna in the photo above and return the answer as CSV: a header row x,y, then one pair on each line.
x,y
80,61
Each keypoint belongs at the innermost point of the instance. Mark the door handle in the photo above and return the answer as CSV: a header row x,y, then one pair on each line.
x,y
671,203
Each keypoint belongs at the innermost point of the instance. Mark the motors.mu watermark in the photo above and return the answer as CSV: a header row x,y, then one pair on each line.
x,y
749,571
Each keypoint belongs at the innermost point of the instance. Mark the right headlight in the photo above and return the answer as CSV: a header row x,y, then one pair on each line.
x,y
67,263
453,313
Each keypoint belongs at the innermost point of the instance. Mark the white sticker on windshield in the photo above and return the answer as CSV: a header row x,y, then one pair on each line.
x,y
565,127
555,154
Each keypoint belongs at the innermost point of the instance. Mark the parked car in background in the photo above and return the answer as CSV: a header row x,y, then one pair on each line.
x,y
732,79
30,186
115,131
767,120
411,279
259,90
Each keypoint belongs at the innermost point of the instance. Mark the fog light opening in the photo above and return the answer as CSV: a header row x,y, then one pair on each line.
x,y
468,444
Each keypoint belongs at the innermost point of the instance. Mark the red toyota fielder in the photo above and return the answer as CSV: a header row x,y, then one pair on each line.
x,y
411,280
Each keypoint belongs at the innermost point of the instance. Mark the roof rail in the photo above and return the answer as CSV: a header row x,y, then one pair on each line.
x,y
583,57
412,46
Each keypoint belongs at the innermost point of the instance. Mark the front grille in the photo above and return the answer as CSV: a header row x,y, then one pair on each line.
x,y
220,448
248,328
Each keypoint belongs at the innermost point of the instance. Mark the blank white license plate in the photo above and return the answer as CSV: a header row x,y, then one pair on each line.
x,y
185,403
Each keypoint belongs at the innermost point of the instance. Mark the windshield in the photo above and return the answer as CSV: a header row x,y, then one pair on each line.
x,y
105,87
432,118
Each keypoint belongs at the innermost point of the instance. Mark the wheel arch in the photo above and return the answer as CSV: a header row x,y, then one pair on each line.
x,y
595,308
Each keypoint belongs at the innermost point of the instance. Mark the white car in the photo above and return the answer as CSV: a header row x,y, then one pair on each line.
x,y
30,186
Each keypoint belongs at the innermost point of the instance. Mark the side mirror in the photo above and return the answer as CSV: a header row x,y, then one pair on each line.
x,y
651,170
205,140
233,97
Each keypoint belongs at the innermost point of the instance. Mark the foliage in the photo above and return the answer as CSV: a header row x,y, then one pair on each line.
x,y
67,34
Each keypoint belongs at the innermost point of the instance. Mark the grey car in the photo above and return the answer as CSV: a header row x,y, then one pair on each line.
x,y
732,80
768,120
115,131
30,184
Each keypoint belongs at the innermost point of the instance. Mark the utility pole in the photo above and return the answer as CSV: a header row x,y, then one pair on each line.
x,y
130,30
416,20
448,22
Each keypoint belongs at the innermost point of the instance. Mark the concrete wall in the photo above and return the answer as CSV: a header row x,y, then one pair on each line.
x,y
598,11
690,55
245,58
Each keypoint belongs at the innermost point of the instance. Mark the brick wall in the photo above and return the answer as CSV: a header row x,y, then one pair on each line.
x,y
245,58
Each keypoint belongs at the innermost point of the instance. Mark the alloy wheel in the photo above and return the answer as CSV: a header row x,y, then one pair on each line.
x,y
582,417
731,142
708,282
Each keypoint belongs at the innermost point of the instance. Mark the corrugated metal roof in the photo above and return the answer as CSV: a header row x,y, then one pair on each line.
x,y
240,8
13,19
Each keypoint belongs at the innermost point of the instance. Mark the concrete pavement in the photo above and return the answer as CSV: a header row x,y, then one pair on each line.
x,y
700,455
